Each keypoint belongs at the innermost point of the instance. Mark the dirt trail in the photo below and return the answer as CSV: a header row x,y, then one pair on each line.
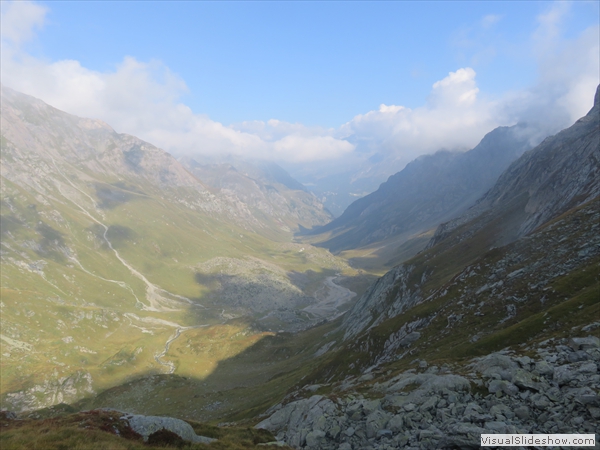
x,y
156,301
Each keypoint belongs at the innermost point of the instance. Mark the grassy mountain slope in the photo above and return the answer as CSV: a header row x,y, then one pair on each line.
x,y
489,282
111,248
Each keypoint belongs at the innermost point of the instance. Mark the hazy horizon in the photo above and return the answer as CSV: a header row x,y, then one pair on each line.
x,y
300,83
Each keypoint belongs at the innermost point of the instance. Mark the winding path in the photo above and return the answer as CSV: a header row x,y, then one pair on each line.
x,y
155,299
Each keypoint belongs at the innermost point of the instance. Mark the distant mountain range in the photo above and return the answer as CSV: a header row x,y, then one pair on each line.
x,y
556,177
559,174
264,187
428,191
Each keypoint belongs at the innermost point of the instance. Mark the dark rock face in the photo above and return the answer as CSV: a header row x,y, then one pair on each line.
x,y
431,189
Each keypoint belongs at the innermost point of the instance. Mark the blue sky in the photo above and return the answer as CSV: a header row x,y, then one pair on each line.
x,y
217,72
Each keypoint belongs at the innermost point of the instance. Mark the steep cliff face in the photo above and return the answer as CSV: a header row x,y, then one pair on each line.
x,y
560,174
429,190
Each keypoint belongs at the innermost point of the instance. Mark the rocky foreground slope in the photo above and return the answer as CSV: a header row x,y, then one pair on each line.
x,y
493,329
554,391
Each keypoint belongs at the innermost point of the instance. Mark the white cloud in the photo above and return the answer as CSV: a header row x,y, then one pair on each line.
x,y
144,99
453,118
568,74
457,116
19,20
548,31
457,90
314,148
295,142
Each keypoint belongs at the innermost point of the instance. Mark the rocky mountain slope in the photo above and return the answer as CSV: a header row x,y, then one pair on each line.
x,y
111,250
266,189
493,329
554,391
428,191
560,173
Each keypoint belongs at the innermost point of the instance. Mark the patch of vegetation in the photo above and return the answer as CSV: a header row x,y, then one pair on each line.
x,y
166,438
120,235
104,429
243,435
133,157
109,197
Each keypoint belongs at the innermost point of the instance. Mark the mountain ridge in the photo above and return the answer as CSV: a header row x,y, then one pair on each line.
x,y
492,329
104,234
548,189
429,190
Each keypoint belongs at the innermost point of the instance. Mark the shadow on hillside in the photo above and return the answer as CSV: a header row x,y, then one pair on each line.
x,y
255,295
240,387
230,371
226,371
275,302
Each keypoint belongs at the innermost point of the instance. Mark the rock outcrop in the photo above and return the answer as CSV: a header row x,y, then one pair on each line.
x,y
554,392
147,425
517,284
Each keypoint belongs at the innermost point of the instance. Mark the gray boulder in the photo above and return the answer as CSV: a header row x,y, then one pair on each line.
x,y
376,421
396,423
525,380
563,374
584,343
497,365
315,438
503,386
147,425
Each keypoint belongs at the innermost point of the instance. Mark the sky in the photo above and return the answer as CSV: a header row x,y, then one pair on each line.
x,y
307,82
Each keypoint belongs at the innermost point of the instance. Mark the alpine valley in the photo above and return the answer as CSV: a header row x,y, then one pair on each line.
x,y
148,302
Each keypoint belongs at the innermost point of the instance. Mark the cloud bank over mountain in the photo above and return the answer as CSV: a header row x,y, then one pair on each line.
x,y
144,99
